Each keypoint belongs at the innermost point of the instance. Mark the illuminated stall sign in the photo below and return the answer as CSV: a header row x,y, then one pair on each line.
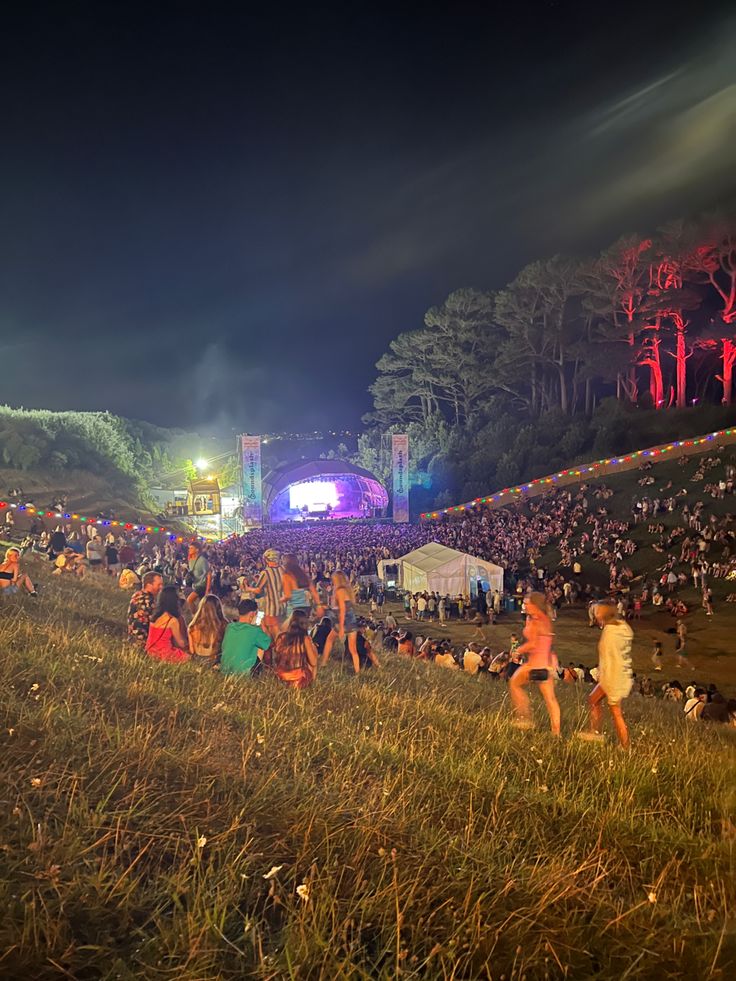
x,y
400,460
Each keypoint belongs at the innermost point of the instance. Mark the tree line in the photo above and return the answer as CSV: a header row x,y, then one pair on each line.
x,y
650,321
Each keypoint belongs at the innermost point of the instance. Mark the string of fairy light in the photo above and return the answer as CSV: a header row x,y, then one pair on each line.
x,y
582,470
102,522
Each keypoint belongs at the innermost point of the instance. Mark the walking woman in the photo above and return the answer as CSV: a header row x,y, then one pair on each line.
x,y
206,632
615,678
344,620
294,656
167,632
540,666
299,591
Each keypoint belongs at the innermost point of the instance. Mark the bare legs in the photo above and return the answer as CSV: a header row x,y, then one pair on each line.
x,y
595,703
352,647
520,699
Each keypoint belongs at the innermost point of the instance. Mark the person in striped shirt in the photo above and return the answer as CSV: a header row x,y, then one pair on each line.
x,y
270,587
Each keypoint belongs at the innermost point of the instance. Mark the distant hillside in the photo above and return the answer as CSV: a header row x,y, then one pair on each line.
x,y
95,458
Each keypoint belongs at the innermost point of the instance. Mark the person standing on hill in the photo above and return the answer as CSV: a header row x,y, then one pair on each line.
x,y
615,677
681,660
199,574
270,586
299,590
540,666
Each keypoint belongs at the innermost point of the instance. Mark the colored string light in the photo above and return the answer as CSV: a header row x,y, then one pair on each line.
x,y
586,468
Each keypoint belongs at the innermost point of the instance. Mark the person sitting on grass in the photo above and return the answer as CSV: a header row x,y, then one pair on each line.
x,y
140,608
167,632
70,562
472,660
294,656
615,678
11,577
695,704
206,632
366,655
446,659
244,642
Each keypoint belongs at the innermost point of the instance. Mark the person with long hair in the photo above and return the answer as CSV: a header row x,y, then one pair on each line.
x,y
615,678
11,577
344,619
206,631
299,591
540,666
167,632
294,656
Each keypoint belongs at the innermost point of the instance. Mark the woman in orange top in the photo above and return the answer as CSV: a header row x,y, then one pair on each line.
x,y
540,666
294,657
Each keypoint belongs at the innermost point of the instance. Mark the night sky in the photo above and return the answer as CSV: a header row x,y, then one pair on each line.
x,y
213,220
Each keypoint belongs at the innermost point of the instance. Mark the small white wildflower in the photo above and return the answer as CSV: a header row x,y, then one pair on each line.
x,y
302,892
540,761
260,739
652,897
11,732
34,687
36,782
258,754
201,841
273,871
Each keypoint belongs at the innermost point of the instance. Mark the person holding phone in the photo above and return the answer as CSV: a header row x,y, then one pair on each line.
x,y
245,641
540,666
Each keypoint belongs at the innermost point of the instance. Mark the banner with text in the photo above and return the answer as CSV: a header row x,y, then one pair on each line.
x,y
400,460
252,486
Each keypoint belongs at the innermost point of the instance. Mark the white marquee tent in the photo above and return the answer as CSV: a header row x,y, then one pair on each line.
x,y
444,570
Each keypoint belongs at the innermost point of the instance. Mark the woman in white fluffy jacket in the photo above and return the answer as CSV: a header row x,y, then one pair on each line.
x,y
615,678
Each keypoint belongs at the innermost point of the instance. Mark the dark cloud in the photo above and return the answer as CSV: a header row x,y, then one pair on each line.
x,y
216,219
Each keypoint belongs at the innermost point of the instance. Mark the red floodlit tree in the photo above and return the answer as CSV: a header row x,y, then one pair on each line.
x,y
616,291
668,300
713,262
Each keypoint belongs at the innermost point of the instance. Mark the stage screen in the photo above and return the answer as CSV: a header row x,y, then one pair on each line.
x,y
329,495
315,495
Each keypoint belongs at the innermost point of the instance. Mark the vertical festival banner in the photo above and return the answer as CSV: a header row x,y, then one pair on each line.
x,y
400,466
252,487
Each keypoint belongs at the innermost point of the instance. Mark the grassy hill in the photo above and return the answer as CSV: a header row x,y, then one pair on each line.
x,y
157,822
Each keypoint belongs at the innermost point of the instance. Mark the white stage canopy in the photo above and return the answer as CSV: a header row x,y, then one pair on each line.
x,y
437,568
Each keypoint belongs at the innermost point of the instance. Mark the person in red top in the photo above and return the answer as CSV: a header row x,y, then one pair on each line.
x,y
540,666
167,632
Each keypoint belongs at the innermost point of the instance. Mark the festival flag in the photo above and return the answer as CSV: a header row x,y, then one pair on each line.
x,y
400,462
252,484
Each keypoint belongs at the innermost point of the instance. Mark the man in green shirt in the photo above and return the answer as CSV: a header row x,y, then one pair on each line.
x,y
243,641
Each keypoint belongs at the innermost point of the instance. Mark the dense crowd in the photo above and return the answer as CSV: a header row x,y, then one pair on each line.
x,y
293,606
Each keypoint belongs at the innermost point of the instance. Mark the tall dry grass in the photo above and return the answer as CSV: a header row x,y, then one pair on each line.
x,y
160,823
